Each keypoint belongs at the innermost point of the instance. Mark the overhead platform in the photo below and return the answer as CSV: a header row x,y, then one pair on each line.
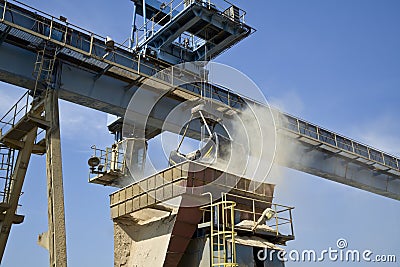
x,y
199,29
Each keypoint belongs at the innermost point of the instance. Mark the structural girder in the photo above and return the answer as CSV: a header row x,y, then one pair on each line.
x,y
86,78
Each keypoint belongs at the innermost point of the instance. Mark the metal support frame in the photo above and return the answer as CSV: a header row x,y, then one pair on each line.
x,y
4,34
144,20
18,178
55,191
222,233
133,30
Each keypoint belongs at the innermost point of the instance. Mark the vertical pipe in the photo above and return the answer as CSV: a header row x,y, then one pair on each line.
x,y
133,27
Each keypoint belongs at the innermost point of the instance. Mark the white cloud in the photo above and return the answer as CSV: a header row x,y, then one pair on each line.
x,y
289,102
380,132
83,125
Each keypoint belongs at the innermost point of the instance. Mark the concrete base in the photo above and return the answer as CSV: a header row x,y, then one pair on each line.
x,y
142,238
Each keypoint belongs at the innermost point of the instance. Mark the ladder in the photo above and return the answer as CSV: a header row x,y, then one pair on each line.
x,y
222,233
44,69
7,159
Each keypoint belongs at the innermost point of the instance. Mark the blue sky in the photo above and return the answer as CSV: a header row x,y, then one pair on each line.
x,y
335,63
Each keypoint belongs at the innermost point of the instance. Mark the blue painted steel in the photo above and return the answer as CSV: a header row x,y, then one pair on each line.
x,y
82,57
205,30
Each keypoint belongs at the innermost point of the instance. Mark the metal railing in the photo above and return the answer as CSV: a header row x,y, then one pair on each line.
x,y
112,159
155,23
17,111
76,39
222,235
359,150
250,209
7,161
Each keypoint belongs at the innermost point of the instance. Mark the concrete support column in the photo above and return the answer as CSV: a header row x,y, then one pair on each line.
x,y
55,191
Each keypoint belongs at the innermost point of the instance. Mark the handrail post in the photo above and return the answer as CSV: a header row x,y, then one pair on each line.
x,y
170,11
291,221
66,33
51,27
254,212
91,43
137,39
27,104
4,10
276,221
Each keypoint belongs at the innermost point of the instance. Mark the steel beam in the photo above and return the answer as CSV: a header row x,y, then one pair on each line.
x,y
300,156
108,93
18,178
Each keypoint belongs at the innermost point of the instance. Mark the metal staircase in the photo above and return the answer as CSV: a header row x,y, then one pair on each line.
x,y
18,141
20,130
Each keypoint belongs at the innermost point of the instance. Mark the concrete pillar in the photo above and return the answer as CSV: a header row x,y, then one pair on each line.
x,y
55,191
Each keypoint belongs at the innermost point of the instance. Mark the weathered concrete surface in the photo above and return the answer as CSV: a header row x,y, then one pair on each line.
x,y
142,238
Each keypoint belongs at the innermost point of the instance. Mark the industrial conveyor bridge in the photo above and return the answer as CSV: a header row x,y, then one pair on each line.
x,y
82,67
89,74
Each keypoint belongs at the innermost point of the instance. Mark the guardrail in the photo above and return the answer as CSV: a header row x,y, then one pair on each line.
x,y
280,223
167,11
73,38
110,159
340,142
77,39
15,113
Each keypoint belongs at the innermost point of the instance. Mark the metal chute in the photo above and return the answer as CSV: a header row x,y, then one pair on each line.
x,y
215,148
